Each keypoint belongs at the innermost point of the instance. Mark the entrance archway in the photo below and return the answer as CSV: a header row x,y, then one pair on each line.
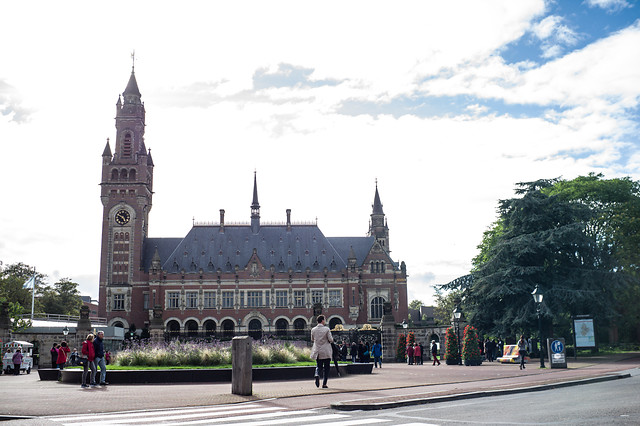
x,y
191,327
282,325
228,328
255,329
333,322
173,328
209,328
299,326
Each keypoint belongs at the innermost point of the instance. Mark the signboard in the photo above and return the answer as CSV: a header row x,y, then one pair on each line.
x,y
585,333
557,355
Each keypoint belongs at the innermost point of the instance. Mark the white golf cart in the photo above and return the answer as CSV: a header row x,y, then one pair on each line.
x,y
27,356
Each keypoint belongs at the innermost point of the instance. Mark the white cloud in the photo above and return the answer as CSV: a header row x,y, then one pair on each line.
x,y
609,5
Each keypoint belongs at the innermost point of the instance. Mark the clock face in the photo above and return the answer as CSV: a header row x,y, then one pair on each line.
x,y
122,217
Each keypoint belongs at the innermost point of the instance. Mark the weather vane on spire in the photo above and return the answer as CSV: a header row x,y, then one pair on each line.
x,y
133,60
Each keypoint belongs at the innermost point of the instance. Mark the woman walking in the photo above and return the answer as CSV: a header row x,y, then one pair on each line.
x,y
322,351
88,355
522,351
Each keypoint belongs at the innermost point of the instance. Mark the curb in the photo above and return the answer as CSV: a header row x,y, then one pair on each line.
x,y
352,406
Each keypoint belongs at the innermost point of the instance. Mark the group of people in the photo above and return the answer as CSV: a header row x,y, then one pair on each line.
x,y
92,355
491,349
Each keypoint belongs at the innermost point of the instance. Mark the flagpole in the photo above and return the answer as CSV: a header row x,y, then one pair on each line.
x,y
33,292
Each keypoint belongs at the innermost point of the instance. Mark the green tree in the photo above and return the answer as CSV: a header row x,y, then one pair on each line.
x,y
63,298
616,227
445,303
415,304
18,298
540,239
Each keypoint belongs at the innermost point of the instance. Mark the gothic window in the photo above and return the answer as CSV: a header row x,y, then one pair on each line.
x,y
127,148
228,266
123,174
298,298
254,299
209,299
372,267
173,299
281,266
192,299
298,266
316,265
132,174
333,265
376,307
335,298
227,299
281,298
118,302
114,174
382,270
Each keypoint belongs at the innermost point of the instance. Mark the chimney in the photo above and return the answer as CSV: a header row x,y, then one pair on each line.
x,y
222,221
288,220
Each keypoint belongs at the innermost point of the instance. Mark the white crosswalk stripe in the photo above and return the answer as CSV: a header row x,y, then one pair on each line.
x,y
249,414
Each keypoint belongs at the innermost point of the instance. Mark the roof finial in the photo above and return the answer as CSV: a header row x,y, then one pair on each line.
x,y
133,60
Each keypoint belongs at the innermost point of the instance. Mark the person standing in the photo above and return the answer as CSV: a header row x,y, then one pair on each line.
x,y
376,351
416,353
421,354
89,355
17,361
63,350
98,347
522,351
354,352
434,352
321,350
410,354
343,352
74,357
54,356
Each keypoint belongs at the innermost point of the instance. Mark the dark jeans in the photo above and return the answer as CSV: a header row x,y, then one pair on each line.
x,y
16,369
323,369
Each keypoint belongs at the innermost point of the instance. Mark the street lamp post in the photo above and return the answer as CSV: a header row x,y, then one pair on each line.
x,y
537,298
65,331
457,314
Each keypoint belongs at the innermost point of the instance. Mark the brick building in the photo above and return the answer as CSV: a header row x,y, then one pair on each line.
x,y
226,278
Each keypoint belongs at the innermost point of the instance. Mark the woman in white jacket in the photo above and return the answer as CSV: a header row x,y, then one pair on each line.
x,y
322,351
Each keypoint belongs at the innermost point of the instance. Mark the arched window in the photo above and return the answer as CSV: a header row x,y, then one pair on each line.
x,y
228,328
118,324
123,174
191,328
132,174
333,322
281,327
127,148
114,174
299,326
376,307
210,328
382,270
173,328
372,267
255,329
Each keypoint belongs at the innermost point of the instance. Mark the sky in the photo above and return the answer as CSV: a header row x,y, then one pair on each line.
x,y
445,104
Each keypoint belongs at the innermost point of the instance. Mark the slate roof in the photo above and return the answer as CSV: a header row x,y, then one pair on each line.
x,y
304,246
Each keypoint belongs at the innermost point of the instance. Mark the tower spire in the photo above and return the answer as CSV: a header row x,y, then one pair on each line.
x,y
255,206
378,227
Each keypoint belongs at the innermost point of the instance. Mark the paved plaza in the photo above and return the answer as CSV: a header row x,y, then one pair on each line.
x,y
26,395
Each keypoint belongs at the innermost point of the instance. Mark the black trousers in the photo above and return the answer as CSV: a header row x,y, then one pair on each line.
x,y
323,369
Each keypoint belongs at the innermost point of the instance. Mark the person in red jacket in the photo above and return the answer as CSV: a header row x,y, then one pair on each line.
x,y
417,352
88,355
410,354
63,350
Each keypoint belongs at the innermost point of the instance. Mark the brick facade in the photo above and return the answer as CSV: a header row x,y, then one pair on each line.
x,y
231,277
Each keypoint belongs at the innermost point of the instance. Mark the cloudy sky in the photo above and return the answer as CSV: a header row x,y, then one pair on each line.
x,y
446,103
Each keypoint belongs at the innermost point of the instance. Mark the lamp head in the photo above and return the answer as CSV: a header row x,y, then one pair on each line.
x,y
537,295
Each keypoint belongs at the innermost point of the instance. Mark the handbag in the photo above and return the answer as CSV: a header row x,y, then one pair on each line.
x,y
82,361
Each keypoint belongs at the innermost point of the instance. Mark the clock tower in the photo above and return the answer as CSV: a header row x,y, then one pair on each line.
x,y
126,192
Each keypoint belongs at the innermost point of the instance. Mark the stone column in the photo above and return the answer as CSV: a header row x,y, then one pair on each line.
x,y
388,334
83,328
241,366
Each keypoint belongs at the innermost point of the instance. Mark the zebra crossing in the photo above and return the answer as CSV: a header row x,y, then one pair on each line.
x,y
246,414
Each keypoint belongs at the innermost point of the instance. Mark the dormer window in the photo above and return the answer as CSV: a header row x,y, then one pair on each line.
x,y
127,148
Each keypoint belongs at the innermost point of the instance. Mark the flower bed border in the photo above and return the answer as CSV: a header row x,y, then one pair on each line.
x,y
216,375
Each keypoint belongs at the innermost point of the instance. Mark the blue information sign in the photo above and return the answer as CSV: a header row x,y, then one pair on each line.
x,y
557,347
